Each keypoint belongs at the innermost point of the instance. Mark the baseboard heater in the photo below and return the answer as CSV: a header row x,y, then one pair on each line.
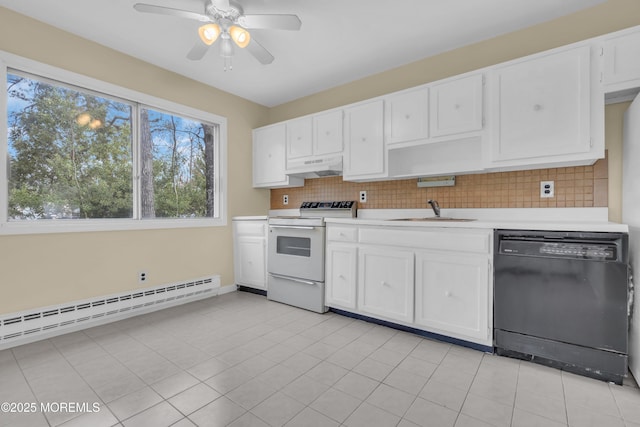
x,y
33,325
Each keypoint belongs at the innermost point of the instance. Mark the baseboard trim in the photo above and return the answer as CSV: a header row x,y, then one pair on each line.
x,y
426,334
45,322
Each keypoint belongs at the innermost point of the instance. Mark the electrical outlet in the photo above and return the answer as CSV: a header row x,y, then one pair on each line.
x,y
547,189
363,197
285,199
142,276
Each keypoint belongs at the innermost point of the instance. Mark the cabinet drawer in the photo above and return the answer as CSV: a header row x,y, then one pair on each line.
x,y
442,240
342,234
250,228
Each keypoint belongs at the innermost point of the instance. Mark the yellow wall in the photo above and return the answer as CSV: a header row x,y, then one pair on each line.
x,y
614,115
42,270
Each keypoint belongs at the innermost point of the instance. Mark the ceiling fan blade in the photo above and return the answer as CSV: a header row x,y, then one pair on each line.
x,y
270,22
259,52
197,51
161,10
221,4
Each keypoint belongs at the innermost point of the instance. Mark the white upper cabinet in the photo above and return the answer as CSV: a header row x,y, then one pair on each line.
x,y
406,116
621,69
456,106
299,138
542,109
316,135
327,133
269,158
364,156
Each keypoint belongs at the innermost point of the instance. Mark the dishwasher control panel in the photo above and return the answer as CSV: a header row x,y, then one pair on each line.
x,y
591,251
602,252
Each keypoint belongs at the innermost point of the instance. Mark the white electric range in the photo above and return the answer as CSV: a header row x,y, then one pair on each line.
x,y
295,261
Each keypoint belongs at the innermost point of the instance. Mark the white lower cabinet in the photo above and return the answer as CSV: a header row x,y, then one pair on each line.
x,y
430,278
452,294
385,283
340,275
250,253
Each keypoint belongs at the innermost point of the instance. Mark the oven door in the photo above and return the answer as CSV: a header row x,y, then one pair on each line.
x,y
297,251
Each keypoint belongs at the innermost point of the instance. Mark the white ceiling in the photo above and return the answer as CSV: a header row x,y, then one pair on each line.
x,y
340,40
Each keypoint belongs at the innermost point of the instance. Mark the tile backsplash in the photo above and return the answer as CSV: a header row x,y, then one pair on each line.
x,y
580,186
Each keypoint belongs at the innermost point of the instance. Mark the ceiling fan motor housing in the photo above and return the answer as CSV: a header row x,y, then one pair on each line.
x,y
232,13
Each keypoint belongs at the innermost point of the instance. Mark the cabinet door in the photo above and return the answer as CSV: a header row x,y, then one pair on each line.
x,y
364,141
622,60
327,133
407,116
250,268
542,107
452,295
299,138
269,158
385,283
341,276
456,106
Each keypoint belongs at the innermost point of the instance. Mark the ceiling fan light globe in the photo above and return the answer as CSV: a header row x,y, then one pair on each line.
x,y
209,33
240,36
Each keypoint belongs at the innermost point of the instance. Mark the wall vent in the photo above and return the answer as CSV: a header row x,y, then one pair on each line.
x,y
32,325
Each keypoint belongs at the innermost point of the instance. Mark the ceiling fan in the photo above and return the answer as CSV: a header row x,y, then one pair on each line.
x,y
225,19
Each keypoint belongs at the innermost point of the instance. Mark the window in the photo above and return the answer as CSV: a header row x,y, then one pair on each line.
x,y
69,152
177,166
84,152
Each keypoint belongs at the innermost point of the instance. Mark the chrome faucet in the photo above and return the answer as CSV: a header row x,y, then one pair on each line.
x,y
435,206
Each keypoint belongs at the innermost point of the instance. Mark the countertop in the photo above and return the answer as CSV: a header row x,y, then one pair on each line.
x,y
568,219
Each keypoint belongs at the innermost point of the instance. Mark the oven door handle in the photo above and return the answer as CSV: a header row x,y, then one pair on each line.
x,y
306,282
299,227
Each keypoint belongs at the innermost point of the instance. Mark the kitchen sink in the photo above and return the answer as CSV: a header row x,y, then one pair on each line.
x,y
433,219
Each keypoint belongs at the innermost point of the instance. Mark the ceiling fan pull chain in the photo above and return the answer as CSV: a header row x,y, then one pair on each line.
x,y
228,63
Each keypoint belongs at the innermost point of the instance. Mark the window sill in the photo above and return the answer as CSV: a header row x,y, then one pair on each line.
x,y
73,226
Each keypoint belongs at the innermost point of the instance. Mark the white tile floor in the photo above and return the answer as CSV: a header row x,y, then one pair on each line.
x,y
241,360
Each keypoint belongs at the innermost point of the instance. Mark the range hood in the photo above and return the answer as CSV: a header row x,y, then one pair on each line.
x,y
315,167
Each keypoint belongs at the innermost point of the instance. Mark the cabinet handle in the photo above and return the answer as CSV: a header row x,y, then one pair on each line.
x,y
447,294
383,283
537,107
327,133
364,139
407,116
341,234
457,106
340,276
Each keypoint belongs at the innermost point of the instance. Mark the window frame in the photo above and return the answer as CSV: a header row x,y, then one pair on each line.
x,y
142,100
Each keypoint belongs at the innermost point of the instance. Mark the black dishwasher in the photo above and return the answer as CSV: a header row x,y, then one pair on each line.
x,y
561,299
